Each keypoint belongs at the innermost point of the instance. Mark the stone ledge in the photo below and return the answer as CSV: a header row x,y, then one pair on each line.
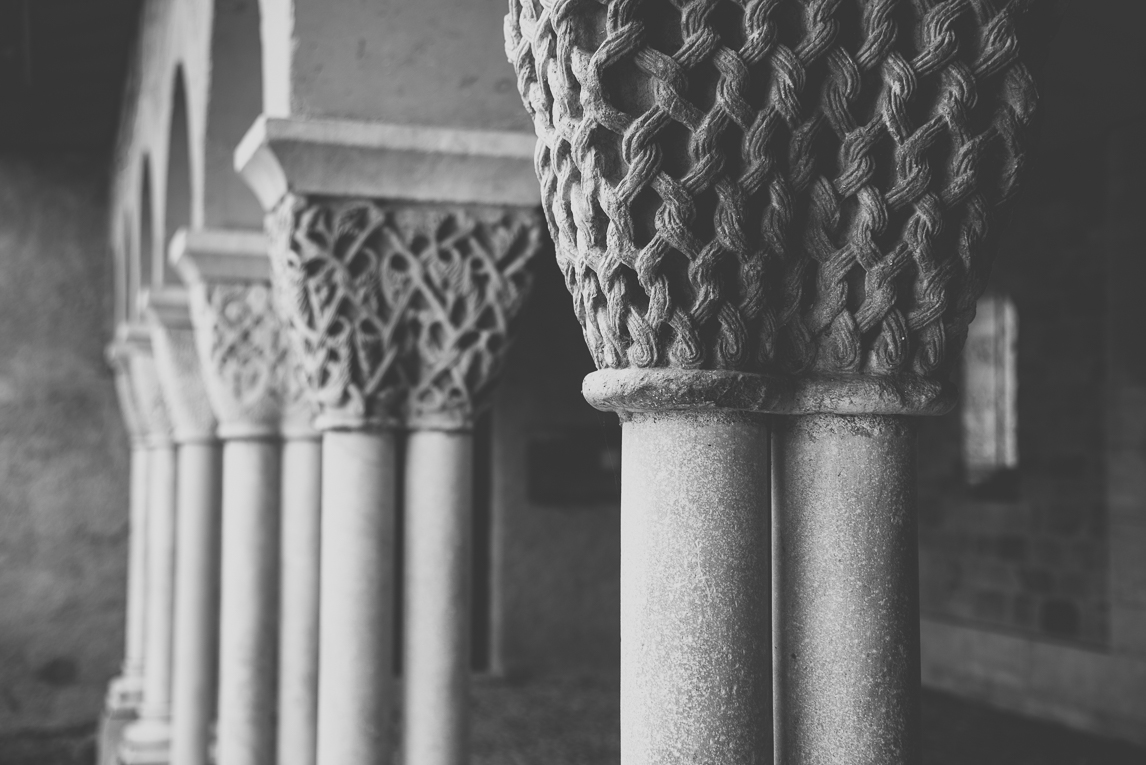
x,y
664,389
220,255
1103,693
380,161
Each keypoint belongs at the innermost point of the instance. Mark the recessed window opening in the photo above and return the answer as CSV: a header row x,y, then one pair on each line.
x,y
990,400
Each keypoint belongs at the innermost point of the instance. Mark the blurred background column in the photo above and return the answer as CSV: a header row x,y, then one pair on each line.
x,y
125,692
148,739
388,189
246,365
196,621
468,275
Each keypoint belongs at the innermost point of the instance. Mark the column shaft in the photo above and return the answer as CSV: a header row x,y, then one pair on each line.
x,y
148,739
695,672
248,633
196,603
126,691
298,607
357,597
438,525
846,591
136,628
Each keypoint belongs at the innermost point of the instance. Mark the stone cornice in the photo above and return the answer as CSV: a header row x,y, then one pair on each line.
x,y
133,346
342,158
247,367
173,344
214,255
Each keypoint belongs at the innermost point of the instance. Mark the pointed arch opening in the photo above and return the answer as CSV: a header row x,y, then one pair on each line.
x,y
234,102
124,269
178,194
143,256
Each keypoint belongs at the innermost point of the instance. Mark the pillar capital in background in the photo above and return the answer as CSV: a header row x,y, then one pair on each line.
x,y
125,692
401,255
173,340
401,273
133,351
119,358
250,378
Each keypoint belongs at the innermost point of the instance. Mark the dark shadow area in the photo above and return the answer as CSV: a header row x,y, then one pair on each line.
x,y
62,70
573,720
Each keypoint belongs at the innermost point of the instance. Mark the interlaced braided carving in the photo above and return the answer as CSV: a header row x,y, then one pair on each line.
x,y
773,185
401,311
244,353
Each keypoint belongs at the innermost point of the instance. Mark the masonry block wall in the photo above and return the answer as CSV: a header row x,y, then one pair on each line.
x,y
1027,551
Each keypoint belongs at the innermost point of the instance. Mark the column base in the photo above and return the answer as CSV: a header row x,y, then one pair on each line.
x,y
124,696
146,742
121,709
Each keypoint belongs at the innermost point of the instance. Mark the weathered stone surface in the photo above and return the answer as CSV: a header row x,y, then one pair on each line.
x,y
400,313
794,188
846,595
696,686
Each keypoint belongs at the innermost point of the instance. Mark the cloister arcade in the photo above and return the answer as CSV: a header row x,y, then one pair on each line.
x,y
363,468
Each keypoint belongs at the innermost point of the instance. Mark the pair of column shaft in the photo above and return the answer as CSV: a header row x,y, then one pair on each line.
x,y
714,507
200,662
148,739
356,625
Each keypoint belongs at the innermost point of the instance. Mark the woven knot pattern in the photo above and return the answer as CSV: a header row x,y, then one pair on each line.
x,y
773,185
401,312
243,350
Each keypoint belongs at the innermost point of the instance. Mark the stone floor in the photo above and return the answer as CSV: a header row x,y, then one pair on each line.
x,y
573,721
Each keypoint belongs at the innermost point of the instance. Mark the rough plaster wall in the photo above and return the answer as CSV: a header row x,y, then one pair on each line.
x,y
556,569
63,452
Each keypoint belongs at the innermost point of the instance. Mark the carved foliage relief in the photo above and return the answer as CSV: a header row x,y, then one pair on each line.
x,y
401,311
774,185
244,352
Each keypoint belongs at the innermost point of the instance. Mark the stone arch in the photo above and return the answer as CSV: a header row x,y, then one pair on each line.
x,y
178,191
143,257
123,245
234,99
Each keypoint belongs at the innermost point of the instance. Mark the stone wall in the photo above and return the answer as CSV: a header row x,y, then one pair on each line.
x,y
555,500
1028,551
63,451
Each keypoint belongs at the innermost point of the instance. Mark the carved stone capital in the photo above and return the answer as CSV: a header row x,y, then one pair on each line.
x,y
132,351
247,367
177,364
400,313
118,356
802,191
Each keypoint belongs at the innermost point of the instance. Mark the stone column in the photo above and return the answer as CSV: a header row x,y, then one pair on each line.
x,y
195,641
399,279
299,592
125,692
466,285
782,210
246,368
147,740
